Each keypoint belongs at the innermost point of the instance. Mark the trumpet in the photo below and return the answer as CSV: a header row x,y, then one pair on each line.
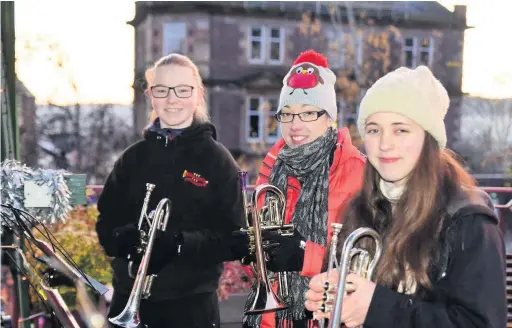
x,y
352,259
157,220
269,218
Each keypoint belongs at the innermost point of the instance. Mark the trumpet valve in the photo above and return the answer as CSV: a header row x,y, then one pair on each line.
x,y
286,232
329,288
142,246
252,244
325,307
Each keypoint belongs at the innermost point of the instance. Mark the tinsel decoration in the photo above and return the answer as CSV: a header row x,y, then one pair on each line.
x,y
13,176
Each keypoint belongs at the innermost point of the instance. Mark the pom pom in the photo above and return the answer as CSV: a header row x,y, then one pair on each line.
x,y
313,57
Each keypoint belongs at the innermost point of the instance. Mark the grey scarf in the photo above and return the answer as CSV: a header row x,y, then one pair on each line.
x,y
310,165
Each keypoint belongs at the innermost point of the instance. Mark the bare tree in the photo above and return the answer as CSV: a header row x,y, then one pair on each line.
x,y
367,52
486,140
77,137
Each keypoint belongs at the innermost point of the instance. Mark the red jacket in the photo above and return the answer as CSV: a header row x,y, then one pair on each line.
x,y
345,179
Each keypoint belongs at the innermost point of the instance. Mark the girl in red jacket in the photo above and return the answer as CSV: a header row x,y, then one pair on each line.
x,y
318,169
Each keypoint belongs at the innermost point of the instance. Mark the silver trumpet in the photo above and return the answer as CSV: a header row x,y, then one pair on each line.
x,y
157,220
270,217
352,259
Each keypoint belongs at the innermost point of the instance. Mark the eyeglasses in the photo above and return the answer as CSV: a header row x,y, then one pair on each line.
x,y
304,117
181,91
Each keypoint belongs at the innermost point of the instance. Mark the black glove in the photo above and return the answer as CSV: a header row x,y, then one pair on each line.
x,y
165,250
237,246
288,256
126,239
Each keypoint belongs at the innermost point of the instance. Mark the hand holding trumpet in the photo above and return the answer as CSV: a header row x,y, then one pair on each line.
x,y
356,302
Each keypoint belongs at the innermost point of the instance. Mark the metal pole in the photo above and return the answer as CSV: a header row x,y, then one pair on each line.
x,y
10,137
21,285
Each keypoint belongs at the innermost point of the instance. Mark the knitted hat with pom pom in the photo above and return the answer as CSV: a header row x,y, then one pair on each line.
x,y
310,82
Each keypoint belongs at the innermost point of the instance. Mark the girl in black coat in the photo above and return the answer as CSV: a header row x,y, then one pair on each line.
x,y
179,154
443,259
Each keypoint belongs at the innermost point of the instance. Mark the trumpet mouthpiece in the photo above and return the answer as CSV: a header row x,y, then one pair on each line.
x,y
243,180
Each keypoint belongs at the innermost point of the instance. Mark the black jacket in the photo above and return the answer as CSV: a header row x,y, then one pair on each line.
x,y
200,177
469,284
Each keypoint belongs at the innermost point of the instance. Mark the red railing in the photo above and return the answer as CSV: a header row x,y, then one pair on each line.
x,y
507,190
497,190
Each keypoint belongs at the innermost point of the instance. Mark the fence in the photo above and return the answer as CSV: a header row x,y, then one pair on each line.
x,y
504,211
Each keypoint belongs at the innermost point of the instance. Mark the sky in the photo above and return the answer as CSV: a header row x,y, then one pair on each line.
x,y
98,49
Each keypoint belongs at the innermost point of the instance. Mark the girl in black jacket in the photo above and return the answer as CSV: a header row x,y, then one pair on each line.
x,y
443,259
179,154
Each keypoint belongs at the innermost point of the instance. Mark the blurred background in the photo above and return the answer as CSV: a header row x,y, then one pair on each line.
x,y
73,80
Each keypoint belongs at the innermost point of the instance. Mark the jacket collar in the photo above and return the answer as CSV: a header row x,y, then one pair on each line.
x,y
343,152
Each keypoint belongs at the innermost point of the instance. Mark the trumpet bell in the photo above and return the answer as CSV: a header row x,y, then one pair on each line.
x,y
128,318
265,300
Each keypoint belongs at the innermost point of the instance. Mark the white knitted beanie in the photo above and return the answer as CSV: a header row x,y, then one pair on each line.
x,y
414,93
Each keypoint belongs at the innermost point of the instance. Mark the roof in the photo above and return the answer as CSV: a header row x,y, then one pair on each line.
x,y
384,12
22,89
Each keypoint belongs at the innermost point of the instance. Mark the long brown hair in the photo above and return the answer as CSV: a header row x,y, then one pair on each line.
x,y
411,229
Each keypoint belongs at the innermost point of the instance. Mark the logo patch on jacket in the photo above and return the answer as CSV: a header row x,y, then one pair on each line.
x,y
194,178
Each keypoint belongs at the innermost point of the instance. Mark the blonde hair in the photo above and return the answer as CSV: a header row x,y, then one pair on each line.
x,y
201,112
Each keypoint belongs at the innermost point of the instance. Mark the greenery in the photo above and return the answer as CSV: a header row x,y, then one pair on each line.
x,y
78,238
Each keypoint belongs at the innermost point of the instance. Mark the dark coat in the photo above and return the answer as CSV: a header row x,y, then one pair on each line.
x,y
469,283
200,177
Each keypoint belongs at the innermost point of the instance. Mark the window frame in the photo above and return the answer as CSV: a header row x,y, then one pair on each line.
x,y
165,37
250,39
266,41
281,45
417,49
262,120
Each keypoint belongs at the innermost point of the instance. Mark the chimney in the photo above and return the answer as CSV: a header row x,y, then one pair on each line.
x,y
460,13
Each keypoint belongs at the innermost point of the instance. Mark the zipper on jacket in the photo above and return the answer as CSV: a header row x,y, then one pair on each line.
x,y
166,141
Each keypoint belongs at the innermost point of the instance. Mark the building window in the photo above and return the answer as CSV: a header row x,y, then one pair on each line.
x,y
261,124
336,51
341,48
276,45
266,45
418,51
425,52
265,5
409,51
256,42
174,38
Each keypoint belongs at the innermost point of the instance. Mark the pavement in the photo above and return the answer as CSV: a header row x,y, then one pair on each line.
x,y
231,311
